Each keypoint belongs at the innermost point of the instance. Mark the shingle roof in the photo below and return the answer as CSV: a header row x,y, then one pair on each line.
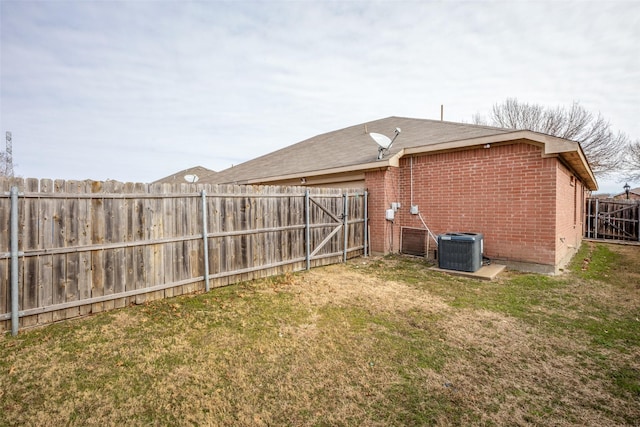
x,y
351,146
631,191
202,173
351,149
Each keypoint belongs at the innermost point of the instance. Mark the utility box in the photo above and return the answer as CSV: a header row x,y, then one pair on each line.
x,y
460,251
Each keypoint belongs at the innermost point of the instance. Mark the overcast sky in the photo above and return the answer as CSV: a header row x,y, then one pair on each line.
x,y
138,90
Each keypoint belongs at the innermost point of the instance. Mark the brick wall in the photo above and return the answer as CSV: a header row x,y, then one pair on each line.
x,y
506,192
570,202
383,187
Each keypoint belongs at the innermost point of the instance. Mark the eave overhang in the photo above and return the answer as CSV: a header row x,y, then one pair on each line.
x,y
569,151
391,161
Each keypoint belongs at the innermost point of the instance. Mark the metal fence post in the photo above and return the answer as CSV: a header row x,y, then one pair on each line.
x,y
366,224
205,240
307,229
589,219
638,220
595,230
14,261
346,227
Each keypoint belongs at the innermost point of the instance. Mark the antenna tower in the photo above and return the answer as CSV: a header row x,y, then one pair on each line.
x,y
8,157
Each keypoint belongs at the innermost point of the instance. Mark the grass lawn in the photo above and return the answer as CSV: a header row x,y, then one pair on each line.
x,y
374,342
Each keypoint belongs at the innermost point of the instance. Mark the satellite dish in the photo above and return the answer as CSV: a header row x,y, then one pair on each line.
x,y
191,178
384,142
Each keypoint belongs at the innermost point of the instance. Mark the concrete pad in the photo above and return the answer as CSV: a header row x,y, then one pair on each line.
x,y
486,272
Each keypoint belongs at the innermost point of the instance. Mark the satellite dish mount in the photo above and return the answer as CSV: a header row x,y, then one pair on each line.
x,y
384,142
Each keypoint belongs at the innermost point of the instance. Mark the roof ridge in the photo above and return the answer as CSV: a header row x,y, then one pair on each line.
x,y
449,122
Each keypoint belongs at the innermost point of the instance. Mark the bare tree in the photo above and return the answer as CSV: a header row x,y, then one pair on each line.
x,y
600,143
632,162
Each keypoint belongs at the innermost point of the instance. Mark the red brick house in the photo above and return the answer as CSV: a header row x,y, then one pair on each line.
x,y
522,190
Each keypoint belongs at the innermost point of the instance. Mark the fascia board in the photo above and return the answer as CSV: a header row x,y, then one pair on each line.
x,y
563,147
466,143
393,161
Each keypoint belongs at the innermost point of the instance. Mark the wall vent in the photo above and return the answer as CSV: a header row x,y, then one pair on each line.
x,y
413,241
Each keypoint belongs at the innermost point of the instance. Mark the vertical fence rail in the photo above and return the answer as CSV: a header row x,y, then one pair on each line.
x,y
366,224
307,230
205,241
595,234
72,248
589,220
345,218
14,261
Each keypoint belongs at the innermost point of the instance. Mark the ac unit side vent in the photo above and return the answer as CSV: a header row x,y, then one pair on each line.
x,y
413,241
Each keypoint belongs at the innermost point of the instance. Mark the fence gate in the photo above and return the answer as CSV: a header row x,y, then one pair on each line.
x,y
331,223
612,219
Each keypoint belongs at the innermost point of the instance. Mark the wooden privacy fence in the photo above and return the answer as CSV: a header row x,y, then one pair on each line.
x,y
612,219
82,247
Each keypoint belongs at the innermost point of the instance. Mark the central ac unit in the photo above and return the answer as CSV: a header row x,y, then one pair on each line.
x,y
460,251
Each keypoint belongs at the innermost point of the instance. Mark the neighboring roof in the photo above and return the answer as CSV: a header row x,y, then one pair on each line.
x,y
352,149
179,177
635,191
601,196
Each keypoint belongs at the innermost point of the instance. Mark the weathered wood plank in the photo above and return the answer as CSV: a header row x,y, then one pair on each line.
x,y
226,245
58,241
215,264
178,248
140,254
157,259
168,230
29,232
72,238
84,238
258,222
195,253
128,215
97,237
45,263
119,214
110,260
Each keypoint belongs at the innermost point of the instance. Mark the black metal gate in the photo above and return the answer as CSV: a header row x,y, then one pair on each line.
x,y
612,219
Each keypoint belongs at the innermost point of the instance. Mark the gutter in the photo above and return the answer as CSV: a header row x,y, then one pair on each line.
x,y
392,161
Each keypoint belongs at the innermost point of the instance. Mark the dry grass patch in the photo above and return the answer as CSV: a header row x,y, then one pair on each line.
x,y
516,376
380,341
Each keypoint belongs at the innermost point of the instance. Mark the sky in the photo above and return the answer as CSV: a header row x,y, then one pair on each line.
x,y
141,89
